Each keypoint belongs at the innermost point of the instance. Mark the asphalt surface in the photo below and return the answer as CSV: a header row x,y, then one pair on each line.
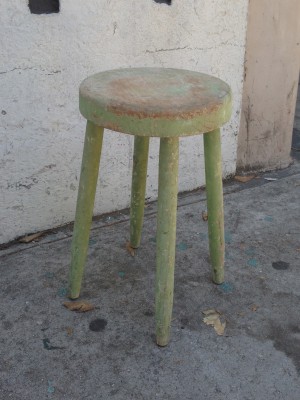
x,y
50,352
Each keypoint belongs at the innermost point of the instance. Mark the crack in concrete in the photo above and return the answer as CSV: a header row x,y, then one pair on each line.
x,y
171,49
30,68
194,48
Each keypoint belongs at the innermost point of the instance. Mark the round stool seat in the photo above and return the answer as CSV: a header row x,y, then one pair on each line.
x,y
162,102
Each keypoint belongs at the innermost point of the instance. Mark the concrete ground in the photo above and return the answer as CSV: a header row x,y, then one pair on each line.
x,y
49,352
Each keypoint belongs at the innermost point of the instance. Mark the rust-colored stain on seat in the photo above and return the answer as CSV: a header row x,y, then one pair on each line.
x,y
159,94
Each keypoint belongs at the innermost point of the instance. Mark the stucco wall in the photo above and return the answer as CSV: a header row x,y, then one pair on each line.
x,y
44,58
271,80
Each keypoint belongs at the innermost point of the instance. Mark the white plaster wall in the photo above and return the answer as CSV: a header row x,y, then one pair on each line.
x,y
271,81
44,58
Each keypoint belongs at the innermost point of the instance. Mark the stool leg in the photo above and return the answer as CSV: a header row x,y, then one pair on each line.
x,y
166,236
214,192
138,189
85,205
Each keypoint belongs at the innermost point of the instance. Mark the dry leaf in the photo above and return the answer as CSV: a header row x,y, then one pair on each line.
x,y
69,331
212,317
244,179
79,306
219,327
30,238
130,249
204,215
254,307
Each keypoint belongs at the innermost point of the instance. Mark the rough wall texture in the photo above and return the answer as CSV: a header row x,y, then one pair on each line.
x,y
44,58
271,80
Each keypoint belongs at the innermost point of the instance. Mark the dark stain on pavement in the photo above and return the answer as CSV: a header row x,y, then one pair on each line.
x,y
98,325
280,265
149,313
286,338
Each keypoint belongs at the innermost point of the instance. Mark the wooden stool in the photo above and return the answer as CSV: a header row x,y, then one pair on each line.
x,y
158,102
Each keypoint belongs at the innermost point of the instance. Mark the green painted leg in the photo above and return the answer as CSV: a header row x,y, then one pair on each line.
x,y
213,173
85,205
166,237
138,189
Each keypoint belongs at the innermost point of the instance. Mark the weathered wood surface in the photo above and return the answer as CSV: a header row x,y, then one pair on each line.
x,y
138,189
214,193
85,205
166,236
161,102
